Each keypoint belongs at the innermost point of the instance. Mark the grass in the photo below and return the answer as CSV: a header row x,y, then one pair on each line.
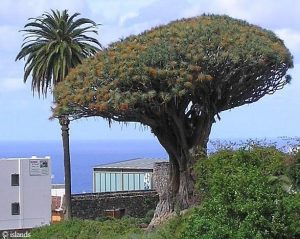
x,y
83,229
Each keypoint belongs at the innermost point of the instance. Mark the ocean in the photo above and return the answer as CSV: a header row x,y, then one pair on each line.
x,y
84,155
88,153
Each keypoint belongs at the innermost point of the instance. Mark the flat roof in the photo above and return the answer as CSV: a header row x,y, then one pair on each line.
x,y
137,163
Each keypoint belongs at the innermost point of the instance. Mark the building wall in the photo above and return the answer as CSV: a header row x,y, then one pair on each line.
x,y
9,194
58,192
93,205
33,195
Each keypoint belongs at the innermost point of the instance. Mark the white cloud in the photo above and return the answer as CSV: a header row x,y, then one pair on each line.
x,y
112,33
10,24
11,85
126,17
108,12
23,9
234,8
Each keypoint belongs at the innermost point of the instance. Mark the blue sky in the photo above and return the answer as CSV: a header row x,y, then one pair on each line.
x,y
24,117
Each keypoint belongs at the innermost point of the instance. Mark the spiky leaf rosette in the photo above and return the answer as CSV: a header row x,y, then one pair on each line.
x,y
200,65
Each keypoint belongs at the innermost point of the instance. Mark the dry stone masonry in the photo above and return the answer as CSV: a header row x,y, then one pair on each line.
x,y
94,205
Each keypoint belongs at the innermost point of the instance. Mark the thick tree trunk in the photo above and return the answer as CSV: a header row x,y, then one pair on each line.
x,y
177,196
182,184
64,122
180,194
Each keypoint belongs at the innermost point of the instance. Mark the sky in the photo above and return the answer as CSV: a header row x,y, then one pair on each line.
x,y
24,117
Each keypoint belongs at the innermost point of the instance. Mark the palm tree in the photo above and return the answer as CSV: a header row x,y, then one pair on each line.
x,y
53,44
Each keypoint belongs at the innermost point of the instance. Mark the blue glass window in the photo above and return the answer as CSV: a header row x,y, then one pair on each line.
x,y
131,181
142,181
125,181
112,182
136,181
119,181
97,182
102,179
107,182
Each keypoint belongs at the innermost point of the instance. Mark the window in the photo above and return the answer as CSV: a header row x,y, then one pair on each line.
x,y
15,208
136,181
121,181
112,182
102,178
142,187
107,182
125,182
15,180
97,182
131,181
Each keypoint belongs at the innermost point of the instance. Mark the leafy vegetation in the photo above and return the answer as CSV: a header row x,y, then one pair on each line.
x,y
176,79
83,229
246,193
293,170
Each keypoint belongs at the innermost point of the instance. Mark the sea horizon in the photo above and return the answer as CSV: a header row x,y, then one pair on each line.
x,y
84,155
88,153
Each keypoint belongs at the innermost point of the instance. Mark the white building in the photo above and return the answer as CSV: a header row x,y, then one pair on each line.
x,y
25,192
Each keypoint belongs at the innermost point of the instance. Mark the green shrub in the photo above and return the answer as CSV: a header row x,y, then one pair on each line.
x,y
84,229
170,230
246,193
148,217
242,199
293,171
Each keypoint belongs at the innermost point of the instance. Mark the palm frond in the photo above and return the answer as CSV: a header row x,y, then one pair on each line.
x,y
53,44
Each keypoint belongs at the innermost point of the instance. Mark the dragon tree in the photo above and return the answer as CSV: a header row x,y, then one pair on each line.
x,y
176,79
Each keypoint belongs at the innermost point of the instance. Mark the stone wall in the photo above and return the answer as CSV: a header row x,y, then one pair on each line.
x,y
161,178
93,205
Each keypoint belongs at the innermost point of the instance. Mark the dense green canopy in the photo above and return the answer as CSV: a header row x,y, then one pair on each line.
x,y
209,60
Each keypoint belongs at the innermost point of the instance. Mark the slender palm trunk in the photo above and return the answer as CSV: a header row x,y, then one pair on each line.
x,y
64,122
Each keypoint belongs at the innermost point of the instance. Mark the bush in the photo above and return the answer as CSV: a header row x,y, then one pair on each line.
x,y
148,217
83,229
293,171
242,199
246,193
